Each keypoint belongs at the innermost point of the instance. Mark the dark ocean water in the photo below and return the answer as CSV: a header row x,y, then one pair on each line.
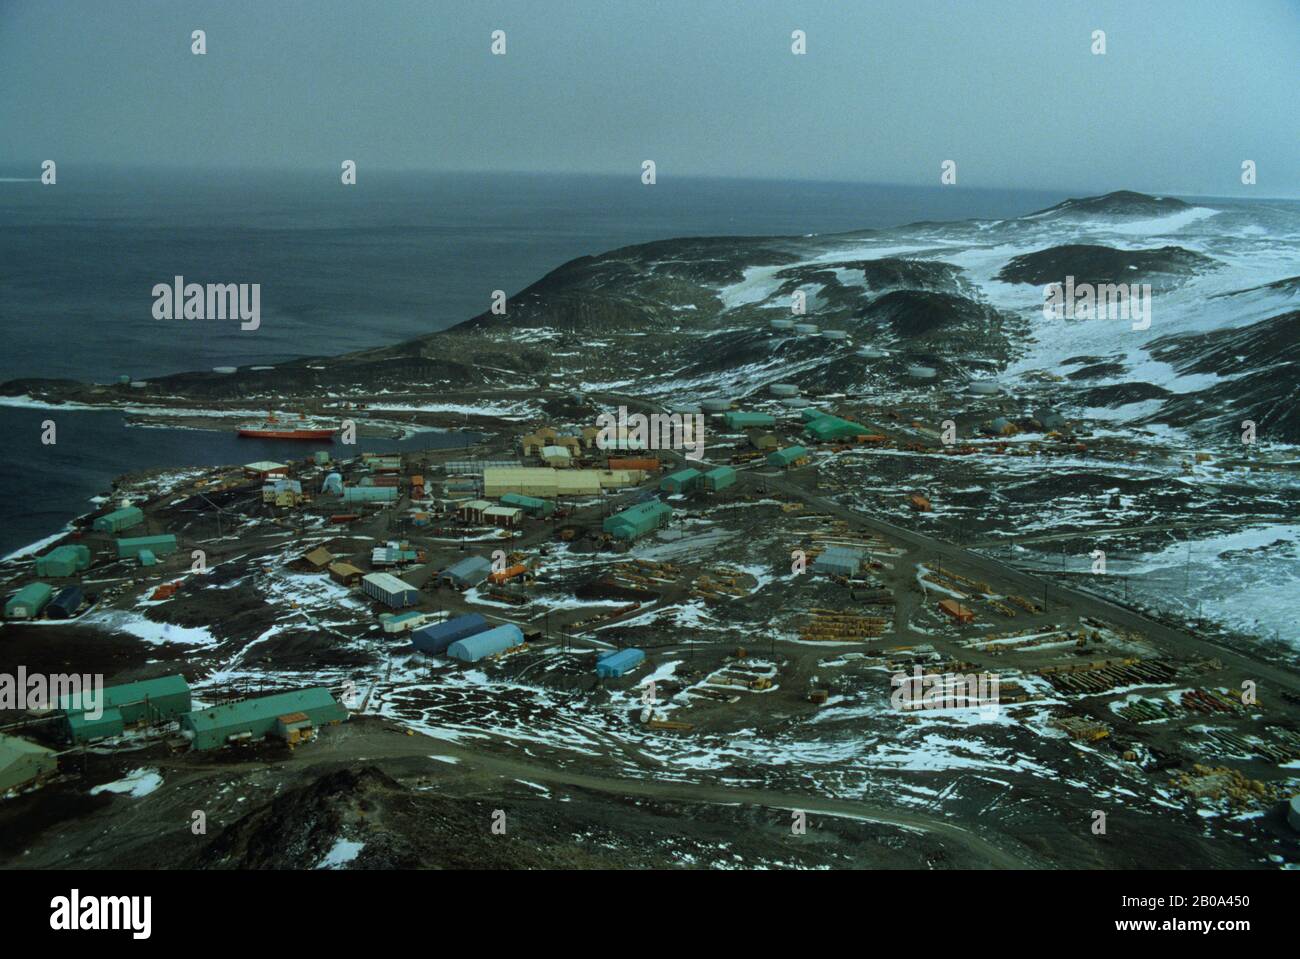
x,y
340,268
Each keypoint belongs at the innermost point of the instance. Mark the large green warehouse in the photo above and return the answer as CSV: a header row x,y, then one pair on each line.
x,y
790,456
22,762
719,478
633,523
740,421
119,520
150,700
683,481
833,428
28,602
130,548
65,560
252,719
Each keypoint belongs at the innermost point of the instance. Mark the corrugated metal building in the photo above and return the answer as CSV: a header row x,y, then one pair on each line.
x,y
345,574
470,571
838,561
390,590
719,478
637,521
28,602
531,505
683,481
740,421
505,516
435,639
65,560
790,456
131,547
369,494
559,456
22,762
476,467
264,468
253,719
834,428
548,483
402,622
620,662
489,643
146,701
119,519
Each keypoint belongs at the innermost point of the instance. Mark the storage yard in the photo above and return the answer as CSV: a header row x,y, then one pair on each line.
x,y
641,635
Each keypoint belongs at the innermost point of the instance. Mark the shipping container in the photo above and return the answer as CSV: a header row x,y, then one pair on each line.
x,y
956,610
435,639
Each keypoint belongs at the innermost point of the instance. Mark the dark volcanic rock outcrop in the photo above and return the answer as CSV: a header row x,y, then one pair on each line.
x,y
1089,263
1118,203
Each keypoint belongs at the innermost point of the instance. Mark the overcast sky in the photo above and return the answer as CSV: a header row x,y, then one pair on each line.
x,y
1010,90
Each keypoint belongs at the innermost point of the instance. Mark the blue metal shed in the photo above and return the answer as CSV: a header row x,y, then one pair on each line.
x,y
436,638
65,603
498,640
618,663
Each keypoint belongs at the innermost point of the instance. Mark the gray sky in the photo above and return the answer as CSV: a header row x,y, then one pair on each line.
x,y
1009,89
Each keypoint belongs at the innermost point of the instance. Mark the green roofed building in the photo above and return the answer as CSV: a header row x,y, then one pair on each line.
x,y
146,701
529,504
719,478
28,602
63,561
810,414
833,428
253,719
120,519
631,524
790,456
22,762
130,548
740,421
683,481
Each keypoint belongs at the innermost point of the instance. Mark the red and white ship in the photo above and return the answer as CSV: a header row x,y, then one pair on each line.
x,y
287,428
